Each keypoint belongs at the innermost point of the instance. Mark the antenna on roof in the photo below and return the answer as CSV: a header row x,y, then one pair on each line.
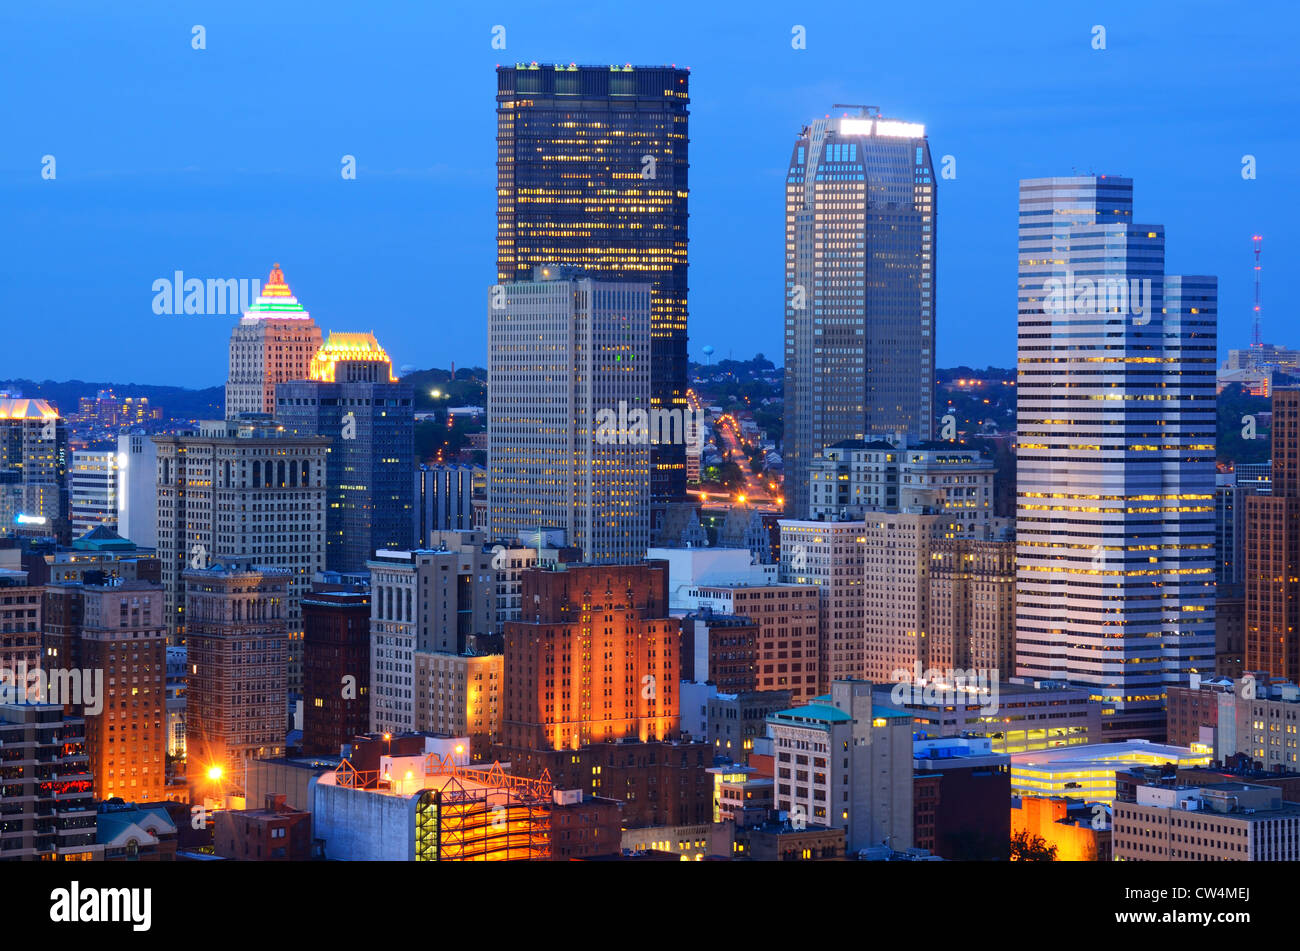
x,y
864,111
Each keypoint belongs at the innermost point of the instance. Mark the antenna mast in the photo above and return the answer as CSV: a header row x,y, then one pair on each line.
x,y
1259,240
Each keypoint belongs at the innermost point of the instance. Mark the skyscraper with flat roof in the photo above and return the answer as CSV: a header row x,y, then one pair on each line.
x,y
592,174
569,369
860,226
1116,453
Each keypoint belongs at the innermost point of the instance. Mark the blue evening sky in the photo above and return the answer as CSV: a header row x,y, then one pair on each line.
x,y
218,162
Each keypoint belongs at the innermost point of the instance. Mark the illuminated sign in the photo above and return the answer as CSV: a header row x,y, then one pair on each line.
x,y
888,128
58,787
30,519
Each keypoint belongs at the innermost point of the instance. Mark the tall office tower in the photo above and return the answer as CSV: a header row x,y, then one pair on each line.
x,y
1115,457
444,499
242,490
830,555
335,666
274,342
137,489
236,645
1273,552
860,223
33,469
369,417
109,643
49,804
570,421
92,490
592,174
604,631
422,601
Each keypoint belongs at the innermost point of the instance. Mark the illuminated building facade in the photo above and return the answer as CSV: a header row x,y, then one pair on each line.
x,y
460,695
432,807
1115,520
242,490
860,228
569,370
137,489
591,684
592,174
112,638
1027,716
1272,553
237,649
1088,771
593,658
369,417
444,499
49,807
274,342
33,469
1069,824
92,490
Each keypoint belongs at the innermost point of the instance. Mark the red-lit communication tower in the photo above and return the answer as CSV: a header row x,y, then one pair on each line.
x,y
1259,240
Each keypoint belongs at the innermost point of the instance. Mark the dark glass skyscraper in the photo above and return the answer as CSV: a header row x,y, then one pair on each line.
x,y
592,175
369,418
859,288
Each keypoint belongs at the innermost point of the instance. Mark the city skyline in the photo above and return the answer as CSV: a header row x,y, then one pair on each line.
x,y
265,197
583,598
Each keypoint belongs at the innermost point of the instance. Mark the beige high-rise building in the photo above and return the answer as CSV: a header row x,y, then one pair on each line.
x,y
460,695
830,555
274,342
570,423
242,491
896,565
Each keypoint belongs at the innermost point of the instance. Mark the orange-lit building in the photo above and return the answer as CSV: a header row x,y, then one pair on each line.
x,y
431,807
593,658
110,642
1080,831
590,689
